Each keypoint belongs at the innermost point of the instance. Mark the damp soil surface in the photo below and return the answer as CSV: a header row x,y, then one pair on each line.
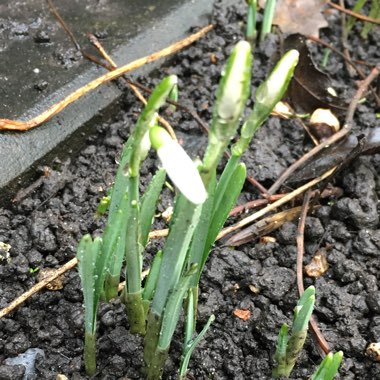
x,y
43,227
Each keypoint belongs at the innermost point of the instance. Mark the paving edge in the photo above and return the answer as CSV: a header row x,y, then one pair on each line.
x,y
22,153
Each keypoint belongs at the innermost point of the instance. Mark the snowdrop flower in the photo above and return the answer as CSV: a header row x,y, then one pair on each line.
x,y
179,166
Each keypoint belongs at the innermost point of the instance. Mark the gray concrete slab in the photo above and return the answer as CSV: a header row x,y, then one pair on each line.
x,y
39,66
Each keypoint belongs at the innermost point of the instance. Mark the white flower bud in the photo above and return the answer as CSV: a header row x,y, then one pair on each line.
x,y
180,168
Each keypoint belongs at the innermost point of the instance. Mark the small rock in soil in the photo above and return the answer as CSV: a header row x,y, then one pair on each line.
x,y
42,37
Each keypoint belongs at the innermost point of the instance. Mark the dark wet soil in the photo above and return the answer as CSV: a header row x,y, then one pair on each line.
x,y
43,229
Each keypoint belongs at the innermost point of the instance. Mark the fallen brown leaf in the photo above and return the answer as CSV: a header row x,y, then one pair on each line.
x,y
310,88
300,16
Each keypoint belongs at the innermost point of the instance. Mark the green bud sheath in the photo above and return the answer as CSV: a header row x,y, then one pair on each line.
x,y
233,92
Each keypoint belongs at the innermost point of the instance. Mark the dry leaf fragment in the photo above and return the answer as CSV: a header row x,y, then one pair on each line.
x,y
318,265
300,16
167,214
254,289
243,314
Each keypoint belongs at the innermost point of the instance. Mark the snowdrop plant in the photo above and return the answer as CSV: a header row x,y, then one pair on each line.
x,y
289,348
201,207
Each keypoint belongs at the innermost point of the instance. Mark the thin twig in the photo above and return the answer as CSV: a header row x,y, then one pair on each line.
x,y
55,12
15,125
274,205
136,91
300,253
360,92
354,14
253,204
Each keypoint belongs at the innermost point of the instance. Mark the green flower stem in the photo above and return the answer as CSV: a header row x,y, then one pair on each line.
x,y
270,6
155,354
183,223
173,308
190,310
90,266
231,97
90,353
154,361
152,279
251,32
147,118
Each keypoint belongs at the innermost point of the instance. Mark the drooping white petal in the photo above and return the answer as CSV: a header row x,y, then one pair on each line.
x,y
182,171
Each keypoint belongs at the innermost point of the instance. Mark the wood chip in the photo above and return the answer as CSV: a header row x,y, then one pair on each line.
x,y
243,314
318,265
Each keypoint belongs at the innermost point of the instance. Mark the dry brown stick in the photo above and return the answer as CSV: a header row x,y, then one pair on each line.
x,y
274,205
300,253
16,125
55,12
139,95
360,92
354,14
352,62
253,204
36,288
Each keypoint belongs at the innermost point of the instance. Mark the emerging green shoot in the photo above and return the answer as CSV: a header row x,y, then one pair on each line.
x,y
288,349
329,367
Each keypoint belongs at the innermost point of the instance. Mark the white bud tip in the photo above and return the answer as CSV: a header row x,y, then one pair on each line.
x,y
182,171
